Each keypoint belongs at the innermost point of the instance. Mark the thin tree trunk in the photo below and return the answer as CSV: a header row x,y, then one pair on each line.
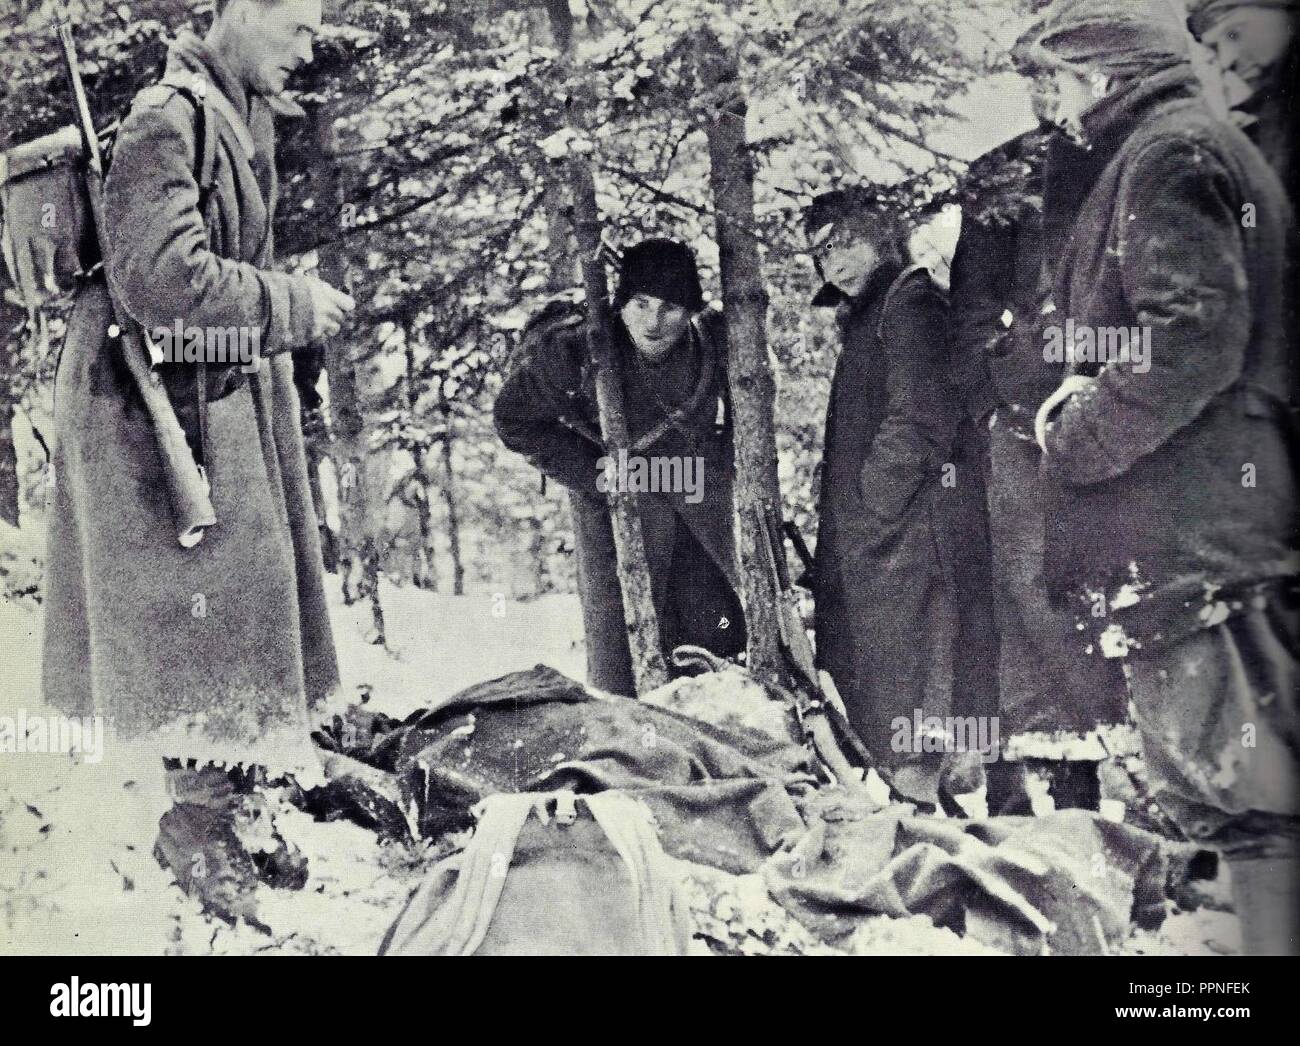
x,y
559,241
316,443
648,667
538,557
8,456
9,485
426,567
357,548
427,564
450,499
753,388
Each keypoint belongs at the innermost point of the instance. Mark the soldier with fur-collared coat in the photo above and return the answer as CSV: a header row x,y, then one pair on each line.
x,y
1169,472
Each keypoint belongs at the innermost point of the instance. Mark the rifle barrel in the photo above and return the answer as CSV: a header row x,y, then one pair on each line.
x,y
186,485
85,122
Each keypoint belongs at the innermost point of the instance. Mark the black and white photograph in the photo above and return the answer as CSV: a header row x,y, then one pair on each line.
x,y
650,478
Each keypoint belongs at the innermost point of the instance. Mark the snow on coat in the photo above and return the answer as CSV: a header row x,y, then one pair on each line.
x,y
1170,481
1053,700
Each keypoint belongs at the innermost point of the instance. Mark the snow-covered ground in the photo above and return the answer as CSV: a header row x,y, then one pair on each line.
x,y
76,872
77,875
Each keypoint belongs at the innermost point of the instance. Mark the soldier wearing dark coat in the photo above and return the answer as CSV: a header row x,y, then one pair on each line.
x,y
901,522
1167,462
1057,714
672,355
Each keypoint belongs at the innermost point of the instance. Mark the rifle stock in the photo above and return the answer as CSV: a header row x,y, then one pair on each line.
x,y
187,487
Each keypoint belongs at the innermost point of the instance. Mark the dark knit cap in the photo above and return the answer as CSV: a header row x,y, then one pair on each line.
x,y
663,269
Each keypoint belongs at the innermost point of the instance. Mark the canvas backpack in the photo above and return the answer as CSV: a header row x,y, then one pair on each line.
x,y
47,233
549,874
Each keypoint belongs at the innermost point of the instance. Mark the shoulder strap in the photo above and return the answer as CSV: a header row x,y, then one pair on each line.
x,y
195,90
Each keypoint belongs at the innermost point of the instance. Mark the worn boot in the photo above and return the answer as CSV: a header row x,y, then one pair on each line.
x,y
917,780
220,840
198,845
1008,789
1075,784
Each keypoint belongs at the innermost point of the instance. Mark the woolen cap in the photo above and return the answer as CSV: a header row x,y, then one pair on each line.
x,y
663,269
1121,38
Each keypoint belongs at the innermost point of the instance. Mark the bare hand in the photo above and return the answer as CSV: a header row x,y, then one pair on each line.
x,y
328,309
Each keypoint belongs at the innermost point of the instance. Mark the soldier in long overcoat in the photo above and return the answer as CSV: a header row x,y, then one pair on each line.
x,y
1058,714
1168,465
901,557
210,656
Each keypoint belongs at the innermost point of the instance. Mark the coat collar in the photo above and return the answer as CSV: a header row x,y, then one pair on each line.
x,y
877,288
1110,123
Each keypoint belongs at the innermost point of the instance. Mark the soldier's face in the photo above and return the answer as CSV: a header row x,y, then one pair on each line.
x,y
1250,41
275,40
847,260
1043,98
656,326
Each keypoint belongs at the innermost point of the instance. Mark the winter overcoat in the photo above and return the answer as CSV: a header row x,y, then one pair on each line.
x,y
1170,488
1052,702
894,521
213,652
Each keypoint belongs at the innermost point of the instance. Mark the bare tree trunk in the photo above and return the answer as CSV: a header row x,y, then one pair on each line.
x,y
8,455
425,574
426,561
357,549
316,443
9,485
538,557
648,667
449,497
753,388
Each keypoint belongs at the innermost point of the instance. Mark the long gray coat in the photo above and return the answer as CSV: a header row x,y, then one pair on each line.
x,y
215,652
